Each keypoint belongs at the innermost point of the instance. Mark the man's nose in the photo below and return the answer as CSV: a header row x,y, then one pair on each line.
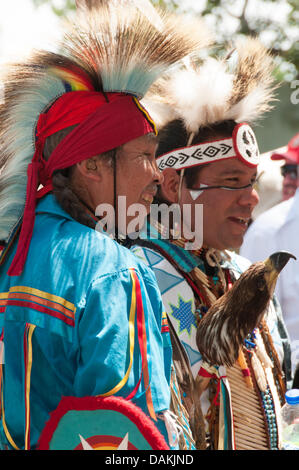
x,y
249,197
288,179
157,174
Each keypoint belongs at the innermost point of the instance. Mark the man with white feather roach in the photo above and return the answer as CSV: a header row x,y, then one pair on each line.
x,y
231,353
81,319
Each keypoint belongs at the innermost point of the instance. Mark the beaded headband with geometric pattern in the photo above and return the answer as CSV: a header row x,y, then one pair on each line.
x,y
207,92
242,145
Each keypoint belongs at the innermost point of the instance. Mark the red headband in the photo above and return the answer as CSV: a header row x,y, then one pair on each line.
x,y
102,126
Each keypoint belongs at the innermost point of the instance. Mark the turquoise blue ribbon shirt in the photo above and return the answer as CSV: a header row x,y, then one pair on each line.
x,y
85,318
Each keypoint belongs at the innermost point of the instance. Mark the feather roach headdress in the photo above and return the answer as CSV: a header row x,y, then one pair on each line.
x,y
238,87
111,50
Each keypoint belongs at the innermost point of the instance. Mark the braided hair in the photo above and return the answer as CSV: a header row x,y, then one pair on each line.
x,y
67,194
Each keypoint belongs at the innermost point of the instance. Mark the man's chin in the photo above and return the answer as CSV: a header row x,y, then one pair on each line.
x,y
236,243
233,243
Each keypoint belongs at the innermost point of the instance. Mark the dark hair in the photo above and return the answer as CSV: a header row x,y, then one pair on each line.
x,y
174,135
66,194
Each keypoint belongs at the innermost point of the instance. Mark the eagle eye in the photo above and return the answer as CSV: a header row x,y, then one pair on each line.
x,y
261,284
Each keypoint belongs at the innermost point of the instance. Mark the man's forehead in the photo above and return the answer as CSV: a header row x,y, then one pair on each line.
x,y
148,141
237,171
233,167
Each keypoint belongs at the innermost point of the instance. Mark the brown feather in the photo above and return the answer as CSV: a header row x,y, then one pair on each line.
x,y
233,316
254,67
207,91
189,390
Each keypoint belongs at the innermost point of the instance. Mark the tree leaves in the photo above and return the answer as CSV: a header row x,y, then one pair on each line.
x,y
224,12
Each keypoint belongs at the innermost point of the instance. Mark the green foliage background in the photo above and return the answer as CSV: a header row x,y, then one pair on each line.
x,y
282,45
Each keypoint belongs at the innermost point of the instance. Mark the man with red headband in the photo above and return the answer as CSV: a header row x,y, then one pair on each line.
x,y
209,155
79,315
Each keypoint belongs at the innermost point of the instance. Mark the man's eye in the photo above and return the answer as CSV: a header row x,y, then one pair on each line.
x,y
261,284
232,180
146,155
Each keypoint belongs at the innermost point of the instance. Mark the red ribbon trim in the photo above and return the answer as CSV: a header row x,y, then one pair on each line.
x,y
215,402
246,372
204,373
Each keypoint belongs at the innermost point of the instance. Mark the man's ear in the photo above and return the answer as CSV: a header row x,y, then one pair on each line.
x,y
170,185
91,168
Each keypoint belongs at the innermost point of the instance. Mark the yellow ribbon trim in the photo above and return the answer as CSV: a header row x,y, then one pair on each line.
x,y
131,340
44,295
28,377
144,111
28,383
2,414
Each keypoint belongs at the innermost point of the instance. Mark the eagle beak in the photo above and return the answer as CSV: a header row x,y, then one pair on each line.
x,y
274,265
280,259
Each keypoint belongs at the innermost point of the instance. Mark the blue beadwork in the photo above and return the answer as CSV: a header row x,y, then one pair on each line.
x,y
267,401
269,409
249,344
249,341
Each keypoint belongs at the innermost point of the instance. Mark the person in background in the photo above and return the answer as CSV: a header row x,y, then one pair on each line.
x,y
277,229
290,168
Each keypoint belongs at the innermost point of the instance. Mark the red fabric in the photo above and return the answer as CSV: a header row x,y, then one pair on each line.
x,y
204,373
70,109
27,414
102,126
135,414
42,309
292,152
44,190
228,279
246,372
139,315
111,125
215,400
